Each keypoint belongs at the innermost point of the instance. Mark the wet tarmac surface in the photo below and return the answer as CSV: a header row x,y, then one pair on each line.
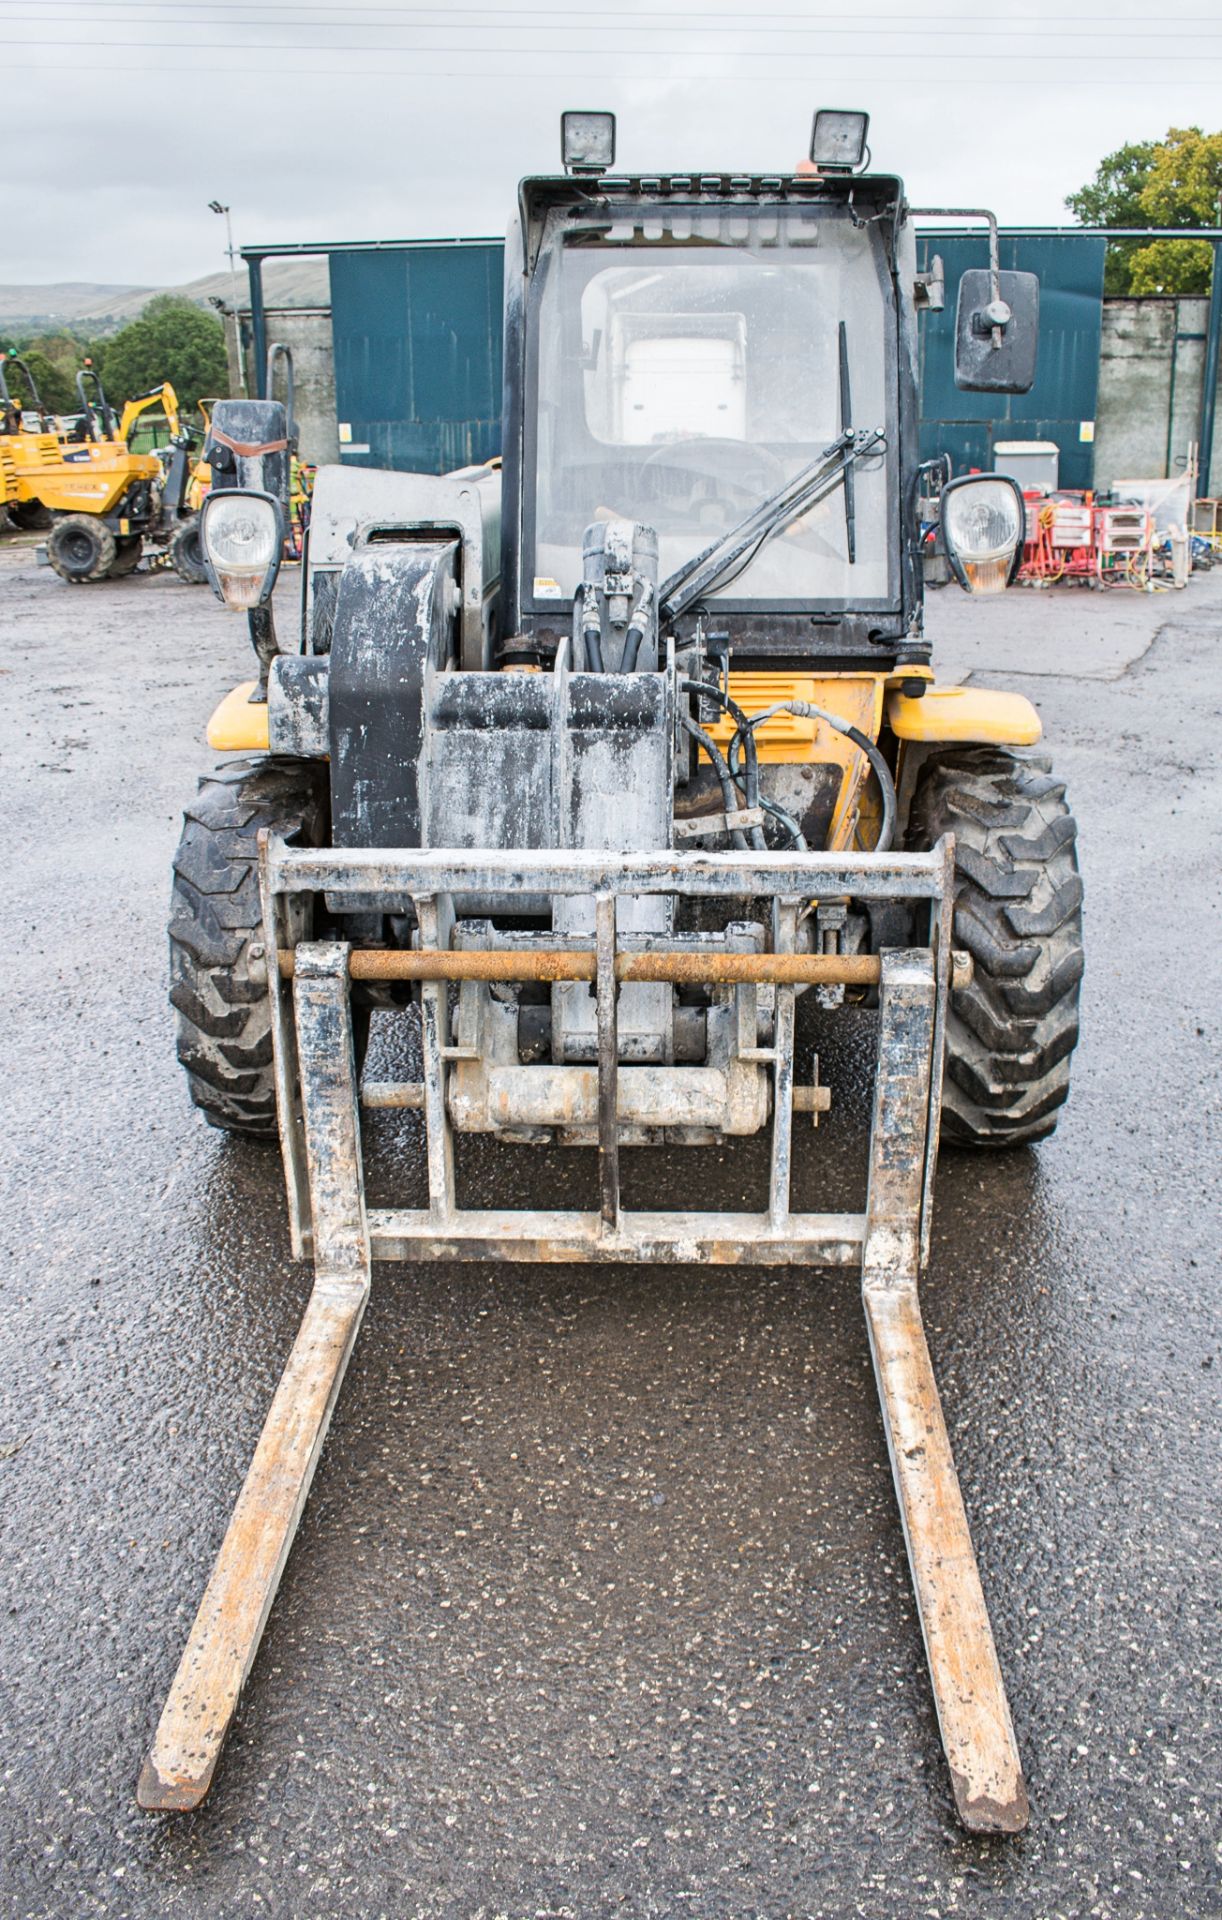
x,y
600,1602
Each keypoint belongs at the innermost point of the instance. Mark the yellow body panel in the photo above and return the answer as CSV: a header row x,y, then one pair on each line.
x,y
964,713
8,476
89,477
198,485
237,726
28,455
855,697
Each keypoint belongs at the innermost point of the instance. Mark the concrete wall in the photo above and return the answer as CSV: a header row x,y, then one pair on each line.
x,y
306,331
1150,374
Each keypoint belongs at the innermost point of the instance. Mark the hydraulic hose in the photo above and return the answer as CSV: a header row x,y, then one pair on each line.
x,y
787,820
729,796
586,627
636,627
743,724
806,710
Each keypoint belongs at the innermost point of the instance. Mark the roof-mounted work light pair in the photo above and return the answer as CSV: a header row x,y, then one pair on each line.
x,y
837,142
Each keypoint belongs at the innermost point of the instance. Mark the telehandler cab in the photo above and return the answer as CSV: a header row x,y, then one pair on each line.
x,y
589,766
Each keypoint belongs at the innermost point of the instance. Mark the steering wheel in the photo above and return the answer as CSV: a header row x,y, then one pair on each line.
x,y
717,468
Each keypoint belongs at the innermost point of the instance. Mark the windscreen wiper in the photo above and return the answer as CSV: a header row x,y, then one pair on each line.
x,y
846,426
736,549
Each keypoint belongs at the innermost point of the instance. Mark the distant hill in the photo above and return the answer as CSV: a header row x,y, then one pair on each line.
x,y
101,308
64,302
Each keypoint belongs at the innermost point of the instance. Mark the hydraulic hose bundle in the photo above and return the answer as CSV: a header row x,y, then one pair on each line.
x,y
745,734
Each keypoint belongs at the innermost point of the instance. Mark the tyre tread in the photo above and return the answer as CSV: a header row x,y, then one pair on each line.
x,y
1018,912
223,1016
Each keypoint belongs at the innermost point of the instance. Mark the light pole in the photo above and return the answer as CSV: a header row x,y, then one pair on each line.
x,y
214,206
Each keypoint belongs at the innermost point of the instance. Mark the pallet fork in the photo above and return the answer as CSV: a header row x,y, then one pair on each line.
x,y
319,1100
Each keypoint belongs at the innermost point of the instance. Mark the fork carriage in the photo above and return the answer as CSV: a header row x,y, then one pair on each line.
x,y
320,1098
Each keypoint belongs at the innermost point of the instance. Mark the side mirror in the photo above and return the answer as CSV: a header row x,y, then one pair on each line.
x,y
248,447
997,325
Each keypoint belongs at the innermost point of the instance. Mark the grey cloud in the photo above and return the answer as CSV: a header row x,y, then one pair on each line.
x,y
334,155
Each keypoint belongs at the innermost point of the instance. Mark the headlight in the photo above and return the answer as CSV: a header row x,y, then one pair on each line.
x,y
243,537
983,520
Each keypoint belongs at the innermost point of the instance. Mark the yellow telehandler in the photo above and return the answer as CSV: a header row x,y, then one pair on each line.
x,y
617,779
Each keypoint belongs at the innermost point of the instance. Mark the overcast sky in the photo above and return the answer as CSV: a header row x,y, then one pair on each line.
x,y
341,121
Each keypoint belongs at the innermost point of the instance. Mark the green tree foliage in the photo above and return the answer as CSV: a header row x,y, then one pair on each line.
x,y
1171,266
1183,190
56,388
1173,182
172,340
1113,199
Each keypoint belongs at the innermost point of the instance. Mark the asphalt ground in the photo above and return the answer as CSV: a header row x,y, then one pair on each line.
x,y
600,1602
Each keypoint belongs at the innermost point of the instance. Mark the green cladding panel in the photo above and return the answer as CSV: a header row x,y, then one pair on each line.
x,y
417,335
1061,404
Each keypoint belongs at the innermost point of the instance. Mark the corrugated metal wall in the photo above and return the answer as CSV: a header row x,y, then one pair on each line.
x,y
417,333
1062,403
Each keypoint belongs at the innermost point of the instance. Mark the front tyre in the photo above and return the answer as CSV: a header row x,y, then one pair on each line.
x,y
218,986
29,516
187,553
81,548
1018,912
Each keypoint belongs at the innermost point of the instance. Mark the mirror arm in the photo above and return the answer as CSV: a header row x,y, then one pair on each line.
x,y
997,314
262,626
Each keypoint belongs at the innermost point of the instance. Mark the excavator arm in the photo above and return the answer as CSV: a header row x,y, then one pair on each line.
x,y
163,398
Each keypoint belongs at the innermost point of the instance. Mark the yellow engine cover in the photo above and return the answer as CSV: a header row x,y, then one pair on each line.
x,y
856,697
788,737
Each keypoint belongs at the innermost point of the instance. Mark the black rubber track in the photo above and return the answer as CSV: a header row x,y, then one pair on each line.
x,y
1018,912
224,1022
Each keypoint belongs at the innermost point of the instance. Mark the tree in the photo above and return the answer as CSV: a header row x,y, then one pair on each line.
x,y
1184,189
1171,266
172,340
1173,182
1113,199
